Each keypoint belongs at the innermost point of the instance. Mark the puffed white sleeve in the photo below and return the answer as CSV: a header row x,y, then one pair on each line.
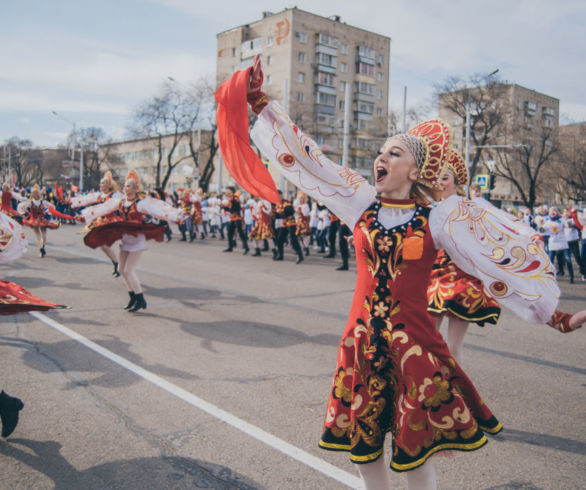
x,y
159,209
344,191
24,206
92,212
85,200
16,196
489,244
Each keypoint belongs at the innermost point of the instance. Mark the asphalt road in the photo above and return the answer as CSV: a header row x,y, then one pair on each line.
x,y
223,381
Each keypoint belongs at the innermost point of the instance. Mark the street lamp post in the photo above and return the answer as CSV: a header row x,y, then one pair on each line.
x,y
468,122
55,113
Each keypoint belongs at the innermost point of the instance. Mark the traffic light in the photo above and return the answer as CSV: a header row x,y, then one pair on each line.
x,y
491,182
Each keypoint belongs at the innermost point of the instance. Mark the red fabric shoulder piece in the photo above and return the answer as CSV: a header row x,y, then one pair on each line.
x,y
241,161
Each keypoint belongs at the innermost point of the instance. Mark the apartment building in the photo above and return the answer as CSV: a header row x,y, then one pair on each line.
x,y
142,155
308,63
527,116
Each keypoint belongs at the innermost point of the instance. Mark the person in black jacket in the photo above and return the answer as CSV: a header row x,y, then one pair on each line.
x,y
286,212
235,210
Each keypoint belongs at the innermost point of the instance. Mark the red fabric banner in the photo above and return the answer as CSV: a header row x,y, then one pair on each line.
x,y
240,159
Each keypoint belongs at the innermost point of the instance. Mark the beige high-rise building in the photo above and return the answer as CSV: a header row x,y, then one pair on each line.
x,y
308,61
528,116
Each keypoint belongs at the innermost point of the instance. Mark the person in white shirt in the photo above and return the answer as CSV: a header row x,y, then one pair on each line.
x,y
558,243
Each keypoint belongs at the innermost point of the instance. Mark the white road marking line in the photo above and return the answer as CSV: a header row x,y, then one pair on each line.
x,y
272,441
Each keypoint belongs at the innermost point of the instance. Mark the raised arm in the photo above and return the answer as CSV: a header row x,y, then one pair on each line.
x,y
302,162
159,209
85,200
93,212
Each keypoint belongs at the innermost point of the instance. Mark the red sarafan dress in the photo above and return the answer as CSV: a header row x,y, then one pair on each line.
x,y
394,371
127,219
35,214
263,229
453,291
13,297
6,204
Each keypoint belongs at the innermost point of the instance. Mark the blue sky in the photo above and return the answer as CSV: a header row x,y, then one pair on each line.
x,y
94,61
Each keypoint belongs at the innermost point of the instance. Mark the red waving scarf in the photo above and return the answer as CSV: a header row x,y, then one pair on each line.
x,y
241,161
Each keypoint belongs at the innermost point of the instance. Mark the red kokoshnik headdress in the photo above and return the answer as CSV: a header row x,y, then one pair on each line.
x,y
457,165
132,175
429,143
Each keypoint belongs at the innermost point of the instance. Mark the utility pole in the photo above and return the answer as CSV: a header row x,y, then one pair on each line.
x,y
346,141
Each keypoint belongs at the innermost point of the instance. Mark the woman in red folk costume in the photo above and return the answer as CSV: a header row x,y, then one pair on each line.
x,y
452,292
6,202
132,228
14,299
34,210
263,229
302,219
395,373
108,190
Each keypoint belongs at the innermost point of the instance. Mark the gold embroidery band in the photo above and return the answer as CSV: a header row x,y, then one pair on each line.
x,y
450,445
398,206
353,457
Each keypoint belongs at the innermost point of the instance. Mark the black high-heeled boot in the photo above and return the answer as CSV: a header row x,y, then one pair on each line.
x,y
43,253
132,300
139,304
9,408
115,272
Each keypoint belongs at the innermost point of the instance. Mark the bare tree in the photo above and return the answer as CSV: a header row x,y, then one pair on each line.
x,y
483,98
25,162
569,171
523,165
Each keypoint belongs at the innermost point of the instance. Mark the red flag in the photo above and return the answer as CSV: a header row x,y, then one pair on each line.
x,y
241,161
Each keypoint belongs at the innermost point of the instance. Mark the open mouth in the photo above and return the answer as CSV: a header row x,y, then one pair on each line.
x,y
381,173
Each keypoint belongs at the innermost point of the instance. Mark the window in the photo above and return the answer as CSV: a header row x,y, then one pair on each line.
x,y
269,79
326,99
366,52
342,86
344,49
343,67
301,77
361,124
326,79
340,143
301,57
379,76
341,105
364,88
300,96
302,37
233,52
379,112
269,60
320,140
379,94
270,41
325,39
366,107
365,69
326,59
380,59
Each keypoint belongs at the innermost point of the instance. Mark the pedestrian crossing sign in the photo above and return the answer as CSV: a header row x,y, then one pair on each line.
x,y
482,181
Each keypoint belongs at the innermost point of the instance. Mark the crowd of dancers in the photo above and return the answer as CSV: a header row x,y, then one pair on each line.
x,y
396,373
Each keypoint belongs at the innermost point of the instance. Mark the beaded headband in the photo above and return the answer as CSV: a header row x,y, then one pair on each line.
x,y
429,143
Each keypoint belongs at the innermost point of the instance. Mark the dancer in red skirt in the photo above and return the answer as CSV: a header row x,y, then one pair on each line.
x,y
34,210
108,190
302,220
6,202
452,292
395,373
133,227
263,229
